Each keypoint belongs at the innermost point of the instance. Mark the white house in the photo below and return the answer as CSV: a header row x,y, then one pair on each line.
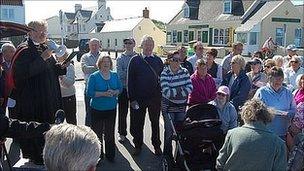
x,y
280,20
114,31
12,11
76,25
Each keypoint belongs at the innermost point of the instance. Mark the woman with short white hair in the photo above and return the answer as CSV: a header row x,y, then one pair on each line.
x,y
69,147
279,60
237,81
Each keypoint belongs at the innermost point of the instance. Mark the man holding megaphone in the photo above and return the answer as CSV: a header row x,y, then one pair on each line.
x,y
35,90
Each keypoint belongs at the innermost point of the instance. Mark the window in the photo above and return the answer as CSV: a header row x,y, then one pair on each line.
x,y
11,14
109,43
179,36
242,37
174,40
298,37
280,36
186,40
253,36
186,11
199,35
221,36
191,36
205,36
227,6
4,13
169,37
68,28
115,42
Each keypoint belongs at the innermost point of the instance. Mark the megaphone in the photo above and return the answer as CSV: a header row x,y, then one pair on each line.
x,y
59,50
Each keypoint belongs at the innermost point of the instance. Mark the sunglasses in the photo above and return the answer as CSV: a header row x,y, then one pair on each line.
x,y
128,43
174,59
221,94
267,66
294,62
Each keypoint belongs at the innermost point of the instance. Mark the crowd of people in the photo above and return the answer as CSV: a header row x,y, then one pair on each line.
x,y
34,84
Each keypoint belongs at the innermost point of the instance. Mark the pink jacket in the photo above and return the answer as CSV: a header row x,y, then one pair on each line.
x,y
204,90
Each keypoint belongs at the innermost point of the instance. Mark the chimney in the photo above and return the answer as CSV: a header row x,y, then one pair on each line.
x,y
77,7
146,13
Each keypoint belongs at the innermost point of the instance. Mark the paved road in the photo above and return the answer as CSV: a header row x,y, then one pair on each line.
x,y
124,160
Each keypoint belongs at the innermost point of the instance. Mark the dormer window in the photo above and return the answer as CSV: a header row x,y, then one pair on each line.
x,y
227,6
186,10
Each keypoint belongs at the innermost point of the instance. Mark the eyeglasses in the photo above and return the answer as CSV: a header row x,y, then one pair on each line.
x,y
294,62
44,32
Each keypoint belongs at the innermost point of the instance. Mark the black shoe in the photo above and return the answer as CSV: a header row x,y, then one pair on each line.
x,y
136,151
157,151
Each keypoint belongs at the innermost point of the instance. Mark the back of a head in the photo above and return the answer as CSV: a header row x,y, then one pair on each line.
x,y
255,110
70,147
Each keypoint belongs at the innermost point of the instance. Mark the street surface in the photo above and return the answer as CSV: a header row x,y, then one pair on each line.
x,y
123,160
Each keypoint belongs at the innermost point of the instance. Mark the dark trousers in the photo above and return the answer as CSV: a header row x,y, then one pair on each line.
x,y
138,121
123,105
103,123
69,107
87,109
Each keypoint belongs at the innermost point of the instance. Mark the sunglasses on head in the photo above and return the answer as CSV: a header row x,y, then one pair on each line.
x,y
233,62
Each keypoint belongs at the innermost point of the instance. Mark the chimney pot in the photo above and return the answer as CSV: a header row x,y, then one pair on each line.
x,y
146,13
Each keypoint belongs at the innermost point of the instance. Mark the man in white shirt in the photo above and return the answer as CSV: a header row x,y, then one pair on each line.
x,y
88,66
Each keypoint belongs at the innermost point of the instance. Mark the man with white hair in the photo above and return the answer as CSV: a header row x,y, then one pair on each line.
x,y
69,147
8,50
291,73
88,66
144,92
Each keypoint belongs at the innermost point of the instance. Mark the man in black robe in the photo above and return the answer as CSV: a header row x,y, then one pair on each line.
x,y
36,92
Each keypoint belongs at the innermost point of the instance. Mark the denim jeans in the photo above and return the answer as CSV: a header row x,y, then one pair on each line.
x,y
177,118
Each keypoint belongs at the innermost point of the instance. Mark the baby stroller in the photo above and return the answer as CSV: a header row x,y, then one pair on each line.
x,y
198,141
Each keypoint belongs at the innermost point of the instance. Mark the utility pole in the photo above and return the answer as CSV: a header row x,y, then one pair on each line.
x,y
61,26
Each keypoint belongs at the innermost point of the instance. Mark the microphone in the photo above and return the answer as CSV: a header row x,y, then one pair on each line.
x,y
59,116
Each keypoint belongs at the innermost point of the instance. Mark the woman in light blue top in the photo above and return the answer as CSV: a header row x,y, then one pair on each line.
x,y
103,89
278,97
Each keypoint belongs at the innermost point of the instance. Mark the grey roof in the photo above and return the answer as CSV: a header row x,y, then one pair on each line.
x,y
212,10
263,12
69,15
86,13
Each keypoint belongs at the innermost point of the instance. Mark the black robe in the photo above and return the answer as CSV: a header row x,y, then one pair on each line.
x,y
37,92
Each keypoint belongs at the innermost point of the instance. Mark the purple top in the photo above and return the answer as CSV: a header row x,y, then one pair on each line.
x,y
204,90
299,96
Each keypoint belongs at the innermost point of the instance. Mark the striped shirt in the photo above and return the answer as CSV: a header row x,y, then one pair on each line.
x,y
175,87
